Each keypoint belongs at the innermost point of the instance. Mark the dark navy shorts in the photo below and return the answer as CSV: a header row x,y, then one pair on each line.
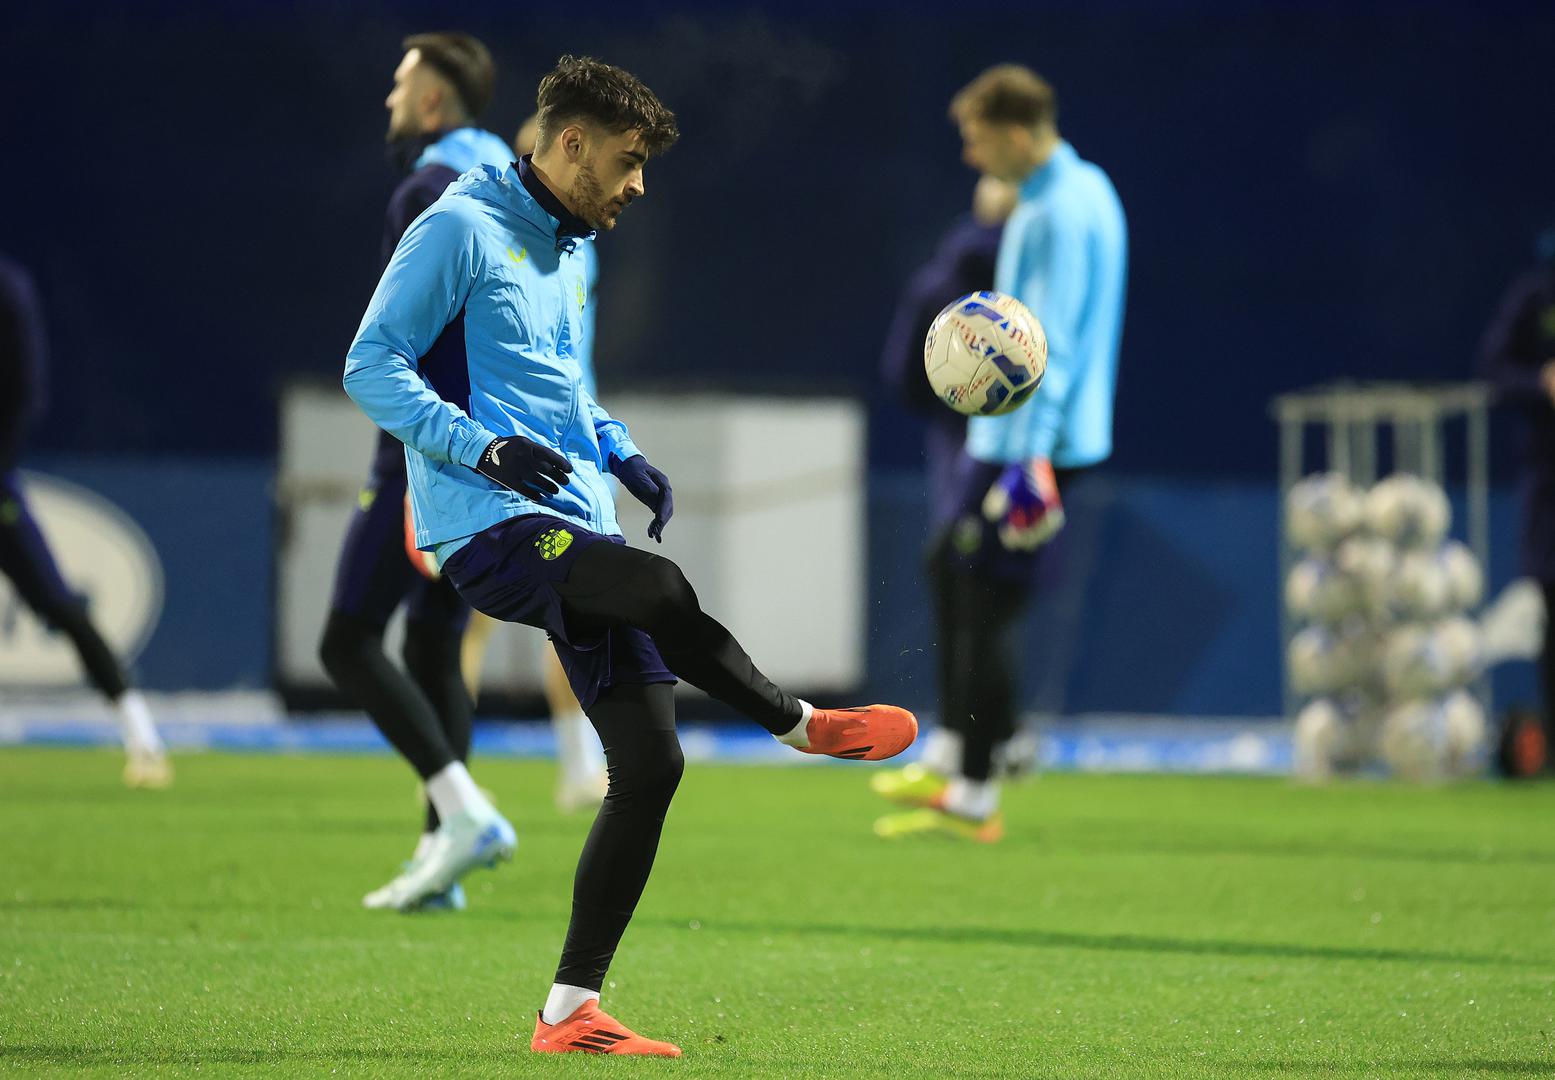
x,y
25,557
375,575
511,571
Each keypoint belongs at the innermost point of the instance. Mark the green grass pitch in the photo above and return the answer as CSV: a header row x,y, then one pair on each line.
x,y
1127,927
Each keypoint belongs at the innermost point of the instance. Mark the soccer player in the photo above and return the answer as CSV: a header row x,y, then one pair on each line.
x,y
580,783
442,83
1063,254
508,455
1517,354
962,263
24,554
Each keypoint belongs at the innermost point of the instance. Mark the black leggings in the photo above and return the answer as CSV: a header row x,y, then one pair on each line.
x,y
426,715
979,630
610,584
636,725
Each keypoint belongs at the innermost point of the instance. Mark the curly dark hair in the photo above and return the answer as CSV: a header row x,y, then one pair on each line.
x,y
583,88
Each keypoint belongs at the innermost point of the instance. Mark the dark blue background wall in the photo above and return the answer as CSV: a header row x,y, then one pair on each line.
x,y
1313,190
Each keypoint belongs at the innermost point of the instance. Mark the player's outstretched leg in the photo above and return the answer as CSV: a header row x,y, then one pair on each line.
x,y
25,559
636,724
611,583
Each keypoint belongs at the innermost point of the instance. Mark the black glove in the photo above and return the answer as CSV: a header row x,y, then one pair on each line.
x,y
524,466
648,486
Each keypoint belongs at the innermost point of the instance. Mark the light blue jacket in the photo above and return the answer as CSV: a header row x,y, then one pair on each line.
x,y
1064,254
474,332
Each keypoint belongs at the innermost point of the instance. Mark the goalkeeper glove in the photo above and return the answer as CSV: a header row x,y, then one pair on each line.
x,y
1024,503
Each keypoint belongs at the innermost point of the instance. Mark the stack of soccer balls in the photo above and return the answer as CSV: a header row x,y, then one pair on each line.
x,y
1385,650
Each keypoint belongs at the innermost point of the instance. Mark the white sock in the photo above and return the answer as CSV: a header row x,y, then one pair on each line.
x,y
975,799
563,1001
453,792
135,725
577,748
941,752
422,845
798,736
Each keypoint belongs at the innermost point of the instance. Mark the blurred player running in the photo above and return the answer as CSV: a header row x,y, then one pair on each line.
x,y
580,784
442,83
1063,254
508,455
24,554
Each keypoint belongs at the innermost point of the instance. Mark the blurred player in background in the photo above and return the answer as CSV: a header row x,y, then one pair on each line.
x,y
580,762
1063,254
508,456
24,554
442,83
963,263
1517,354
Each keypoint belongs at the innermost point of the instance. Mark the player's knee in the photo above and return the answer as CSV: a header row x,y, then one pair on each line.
x,y
342,643
670,596
648,773
429,646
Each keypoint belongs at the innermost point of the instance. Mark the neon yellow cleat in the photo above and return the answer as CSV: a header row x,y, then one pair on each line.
x,y
148,770
930,822
911,786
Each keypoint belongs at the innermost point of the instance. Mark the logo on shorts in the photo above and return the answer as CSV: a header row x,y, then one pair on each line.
x,y
552,543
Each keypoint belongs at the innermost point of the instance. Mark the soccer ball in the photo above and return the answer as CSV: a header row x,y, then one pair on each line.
x,y
1321,510
1318,590
1409,511
1322,660
985,354
1427,740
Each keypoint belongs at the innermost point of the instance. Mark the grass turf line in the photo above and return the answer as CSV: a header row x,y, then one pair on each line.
x,y
1129,926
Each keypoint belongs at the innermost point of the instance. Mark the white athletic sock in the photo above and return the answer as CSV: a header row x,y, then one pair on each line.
x,y
972,798
422,845
135,725
798,737
453,792
941,752
563,1001
578,755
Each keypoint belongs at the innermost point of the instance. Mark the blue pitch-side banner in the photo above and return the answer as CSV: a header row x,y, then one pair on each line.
x,y
1178,615
1099,745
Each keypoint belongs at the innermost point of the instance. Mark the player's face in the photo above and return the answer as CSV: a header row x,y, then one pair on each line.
x,y
406,97
609,177
998,150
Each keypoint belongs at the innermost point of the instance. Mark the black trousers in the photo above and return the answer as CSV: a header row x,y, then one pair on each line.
x,y
613,585
25,559
979,620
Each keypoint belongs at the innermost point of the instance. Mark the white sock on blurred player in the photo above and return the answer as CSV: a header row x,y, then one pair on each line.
x,y
577,748
135,724
975,799
422,845
453,792
941,752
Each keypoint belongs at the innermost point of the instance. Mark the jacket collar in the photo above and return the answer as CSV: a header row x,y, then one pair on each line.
x,y
1060,160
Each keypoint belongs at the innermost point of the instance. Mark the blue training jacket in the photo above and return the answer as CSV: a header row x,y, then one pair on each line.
x,y
474,332
1064,254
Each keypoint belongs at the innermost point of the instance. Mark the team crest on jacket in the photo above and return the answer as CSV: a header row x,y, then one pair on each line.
x,y
552,543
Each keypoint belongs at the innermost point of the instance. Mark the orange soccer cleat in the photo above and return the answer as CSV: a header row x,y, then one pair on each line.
x,y
591,1031
863,733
